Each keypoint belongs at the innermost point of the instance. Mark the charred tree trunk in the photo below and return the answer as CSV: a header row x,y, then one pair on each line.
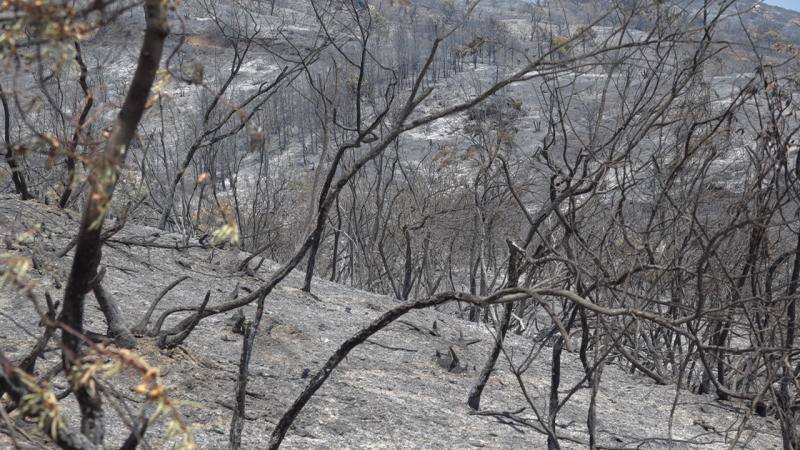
x,y
118,330
788,430
312,259
73,146
474,399
16,171
408,268
555,382
102,182
335,251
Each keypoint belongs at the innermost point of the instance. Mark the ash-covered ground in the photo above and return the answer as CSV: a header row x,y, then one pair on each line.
x,y
392,392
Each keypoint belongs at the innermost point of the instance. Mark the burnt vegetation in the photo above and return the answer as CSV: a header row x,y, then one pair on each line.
x,y
616,181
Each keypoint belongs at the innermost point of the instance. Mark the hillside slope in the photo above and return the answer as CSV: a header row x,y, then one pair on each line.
x,y
392,392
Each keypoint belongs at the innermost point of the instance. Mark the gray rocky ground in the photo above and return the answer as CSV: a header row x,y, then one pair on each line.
x,y
391,392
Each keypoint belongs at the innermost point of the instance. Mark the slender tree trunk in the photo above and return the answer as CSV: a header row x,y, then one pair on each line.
x,y
788,430
312,258
408,269
73,146
474,399
237,421
591,417
313,204
336,234
102,181
173,187
555,382
16,171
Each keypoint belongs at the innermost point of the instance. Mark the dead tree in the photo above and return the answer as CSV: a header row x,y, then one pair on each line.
x,y
474,399
11,152
73,145
102,182
237,420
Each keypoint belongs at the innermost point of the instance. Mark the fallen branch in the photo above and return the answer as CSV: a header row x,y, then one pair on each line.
x,y
177,335
196,317
389,347
141,328
153,244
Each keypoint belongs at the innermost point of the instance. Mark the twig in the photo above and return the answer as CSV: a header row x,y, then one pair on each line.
x,y
389,347
12,429
10,383
153,244
419,328
29,363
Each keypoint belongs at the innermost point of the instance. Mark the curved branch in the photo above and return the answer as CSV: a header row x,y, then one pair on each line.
x,y
141,327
